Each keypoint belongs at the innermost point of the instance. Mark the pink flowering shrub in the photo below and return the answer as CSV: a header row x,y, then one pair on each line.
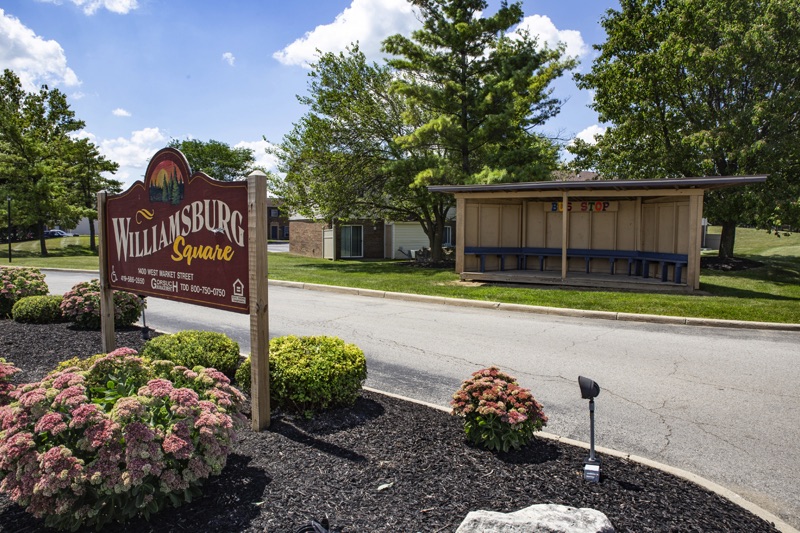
x,y
6,387
17,283
498,413
125,437
82,306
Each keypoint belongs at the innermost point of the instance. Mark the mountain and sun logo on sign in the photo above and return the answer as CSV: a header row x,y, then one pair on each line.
x,y
166,183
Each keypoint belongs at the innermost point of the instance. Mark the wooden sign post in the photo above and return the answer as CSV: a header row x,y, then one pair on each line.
x,y
108,339
259,303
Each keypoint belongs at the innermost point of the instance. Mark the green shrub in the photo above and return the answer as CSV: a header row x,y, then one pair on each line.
x,y
83,363
310,374
37,309
244,374
17,283
82,306
192,348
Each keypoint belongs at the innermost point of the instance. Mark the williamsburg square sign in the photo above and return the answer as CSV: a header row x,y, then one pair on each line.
x,y
193,239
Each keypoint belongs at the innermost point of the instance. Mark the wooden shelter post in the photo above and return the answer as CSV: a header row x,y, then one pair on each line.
x,y
564,233
259,302
108,339
695,223
461,224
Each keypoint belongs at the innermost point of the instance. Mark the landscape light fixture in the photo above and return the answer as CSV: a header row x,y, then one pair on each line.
x,y
591,467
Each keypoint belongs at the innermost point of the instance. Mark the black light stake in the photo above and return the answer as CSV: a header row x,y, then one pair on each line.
x,y
591,467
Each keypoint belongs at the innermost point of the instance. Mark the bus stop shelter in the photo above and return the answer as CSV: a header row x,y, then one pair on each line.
x,y
616,234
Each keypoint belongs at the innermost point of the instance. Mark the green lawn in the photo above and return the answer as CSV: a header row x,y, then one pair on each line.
x,y
770,293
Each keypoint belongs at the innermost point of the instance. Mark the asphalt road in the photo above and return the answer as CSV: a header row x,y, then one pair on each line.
x,y
720,402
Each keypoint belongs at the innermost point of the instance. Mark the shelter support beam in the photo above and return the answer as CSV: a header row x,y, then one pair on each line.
x,y
461,224
564,234
695,222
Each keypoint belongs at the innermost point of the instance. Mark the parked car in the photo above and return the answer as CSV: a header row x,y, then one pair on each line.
x,y
56,233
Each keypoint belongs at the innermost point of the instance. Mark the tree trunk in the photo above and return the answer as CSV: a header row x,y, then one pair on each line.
x,y
92,244
727,240
436,242
42,244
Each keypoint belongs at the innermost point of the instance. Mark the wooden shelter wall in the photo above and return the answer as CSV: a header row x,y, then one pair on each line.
x,y
531,223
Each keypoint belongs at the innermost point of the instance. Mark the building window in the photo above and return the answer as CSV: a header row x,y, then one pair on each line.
x,y
447,236
352,241
273,212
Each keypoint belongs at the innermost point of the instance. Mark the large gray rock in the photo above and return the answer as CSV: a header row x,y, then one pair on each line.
x,y
542,518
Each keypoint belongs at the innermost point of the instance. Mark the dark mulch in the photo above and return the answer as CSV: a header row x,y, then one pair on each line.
x,y
730,264
386,465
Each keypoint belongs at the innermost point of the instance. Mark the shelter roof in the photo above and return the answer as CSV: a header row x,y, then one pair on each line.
x,y
705,182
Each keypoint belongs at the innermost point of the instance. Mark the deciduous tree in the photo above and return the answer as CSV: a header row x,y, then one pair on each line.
x,y
702,87
459,103
85,177
34,142
217,159
341,161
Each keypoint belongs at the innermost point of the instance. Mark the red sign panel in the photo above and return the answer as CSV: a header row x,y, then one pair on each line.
x,y
180,236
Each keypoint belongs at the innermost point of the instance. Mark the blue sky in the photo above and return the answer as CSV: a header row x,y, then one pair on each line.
x,y
142,72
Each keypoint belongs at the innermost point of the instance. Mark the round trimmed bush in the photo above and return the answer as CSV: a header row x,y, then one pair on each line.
x,y
127,437
37,309
192,348
82,306
17,283
309,374
498,414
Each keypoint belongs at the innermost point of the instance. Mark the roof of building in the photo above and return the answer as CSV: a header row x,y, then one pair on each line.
x,y
705,182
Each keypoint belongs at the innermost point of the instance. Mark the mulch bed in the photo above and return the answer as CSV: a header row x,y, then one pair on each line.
x,y
384,465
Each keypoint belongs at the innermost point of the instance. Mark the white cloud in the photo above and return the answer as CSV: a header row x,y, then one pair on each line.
x,y
543,27
134,151
35,60
367,21
228,58
263,159
119,112
90,7
587,134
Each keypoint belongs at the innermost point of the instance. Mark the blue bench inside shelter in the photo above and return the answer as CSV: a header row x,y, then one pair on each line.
x,y
638,262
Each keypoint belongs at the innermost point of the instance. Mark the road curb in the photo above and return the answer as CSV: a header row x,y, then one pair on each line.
x,y
520,308
556,311
678,472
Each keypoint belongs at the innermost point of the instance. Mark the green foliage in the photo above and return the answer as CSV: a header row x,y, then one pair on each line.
x,y
82,306
244,374
17,283
85,177
35,148
702,88
309,374
216,159
44,309
192,348
82,363
341,160
498,414
479,92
